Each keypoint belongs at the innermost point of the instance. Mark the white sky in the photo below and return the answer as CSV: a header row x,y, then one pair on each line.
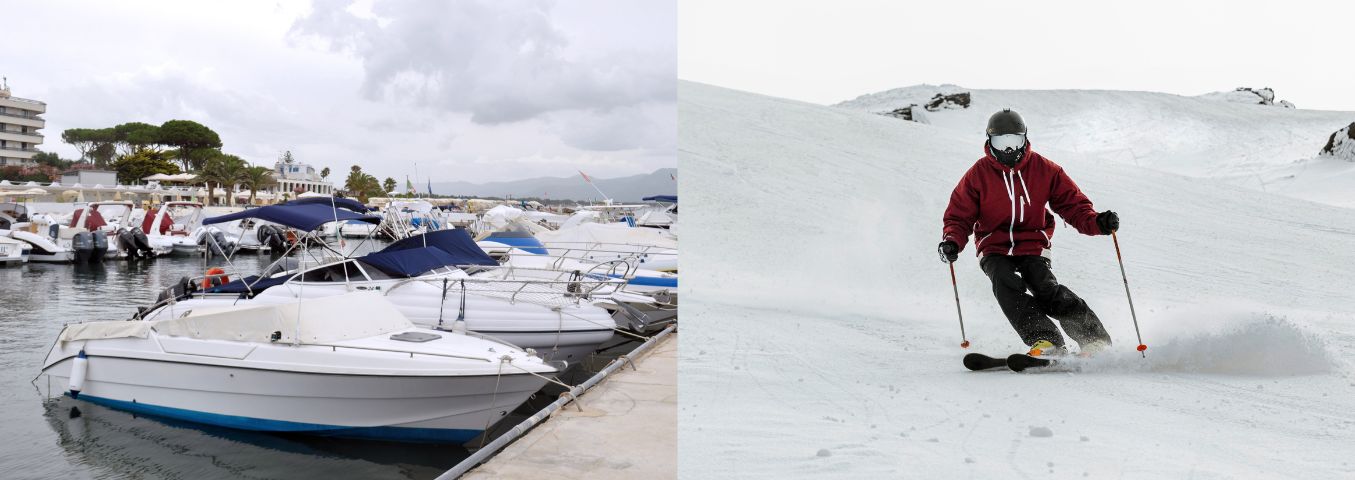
x,y
475,90
829,51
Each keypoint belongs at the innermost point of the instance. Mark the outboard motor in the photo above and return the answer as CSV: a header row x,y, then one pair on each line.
x,y
142,243
100,246
223,245
83,245
181,290
126,243
274,238
215,243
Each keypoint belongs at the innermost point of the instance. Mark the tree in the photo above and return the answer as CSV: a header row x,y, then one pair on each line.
x,y
324,172
389,184
257,178
103,154
133,136
287,157
193,140
52,160
355,180
362,186
142,163
81,139
222,171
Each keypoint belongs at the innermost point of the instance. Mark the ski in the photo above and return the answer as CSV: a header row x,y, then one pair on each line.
x,y
1020,361
979,361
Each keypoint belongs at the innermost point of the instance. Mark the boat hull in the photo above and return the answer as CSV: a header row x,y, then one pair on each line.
x,y
448,409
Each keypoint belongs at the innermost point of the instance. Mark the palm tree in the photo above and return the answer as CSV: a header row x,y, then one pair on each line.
x,y
223,170
257,178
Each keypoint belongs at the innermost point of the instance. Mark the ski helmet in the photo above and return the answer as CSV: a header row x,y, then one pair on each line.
x,y
1011,129
1006,122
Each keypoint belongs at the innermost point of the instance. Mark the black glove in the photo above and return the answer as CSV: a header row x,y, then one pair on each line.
x,y
950,251
1108,221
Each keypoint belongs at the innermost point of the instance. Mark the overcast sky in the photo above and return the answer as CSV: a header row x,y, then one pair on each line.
x,y
826,52
470,90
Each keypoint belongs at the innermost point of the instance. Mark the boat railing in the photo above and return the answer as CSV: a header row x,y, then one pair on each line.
x,y
392,350
617,248
541,286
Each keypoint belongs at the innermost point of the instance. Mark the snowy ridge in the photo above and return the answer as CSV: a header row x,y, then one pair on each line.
x,y
1247,144
823,340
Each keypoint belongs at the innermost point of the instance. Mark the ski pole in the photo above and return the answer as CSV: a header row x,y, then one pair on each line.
x,y
1132,315
956,289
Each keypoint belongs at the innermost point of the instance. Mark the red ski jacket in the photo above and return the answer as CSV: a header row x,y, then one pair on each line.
x,y
1005,207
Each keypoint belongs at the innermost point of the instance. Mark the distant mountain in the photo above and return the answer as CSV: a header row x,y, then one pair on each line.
x,y
622,189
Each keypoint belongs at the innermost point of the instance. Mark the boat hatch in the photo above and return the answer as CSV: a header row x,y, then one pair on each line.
x,y
416,337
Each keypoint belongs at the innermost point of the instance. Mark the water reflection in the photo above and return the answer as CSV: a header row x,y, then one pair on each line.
x,y
120,444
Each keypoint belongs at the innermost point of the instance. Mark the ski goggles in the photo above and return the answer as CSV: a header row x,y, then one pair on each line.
x,y
1004,142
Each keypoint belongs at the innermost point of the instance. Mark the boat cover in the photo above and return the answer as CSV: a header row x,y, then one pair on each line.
x,y
249,284
303,217
409,262
100,330
456,242
661,198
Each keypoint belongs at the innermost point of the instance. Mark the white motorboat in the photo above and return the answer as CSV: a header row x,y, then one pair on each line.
x,y
346,365
645,300
40,233
13,252
357,229
106,222
178,227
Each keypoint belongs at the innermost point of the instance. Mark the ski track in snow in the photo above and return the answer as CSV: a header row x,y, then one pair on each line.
x,y
823,320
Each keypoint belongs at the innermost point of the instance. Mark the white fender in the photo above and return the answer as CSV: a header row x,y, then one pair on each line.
x,y
78,368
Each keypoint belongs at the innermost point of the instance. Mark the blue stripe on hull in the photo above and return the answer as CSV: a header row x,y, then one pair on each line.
x,y
526,243
650,281
397,434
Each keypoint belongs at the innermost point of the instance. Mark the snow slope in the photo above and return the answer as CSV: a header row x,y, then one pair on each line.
x,y
821,336
1250,145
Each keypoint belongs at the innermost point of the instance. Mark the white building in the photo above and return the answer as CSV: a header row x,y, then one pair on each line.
x,y
90,178
296,176
19,125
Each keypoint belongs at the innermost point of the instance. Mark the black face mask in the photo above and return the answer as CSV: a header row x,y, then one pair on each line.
x,y
1008,157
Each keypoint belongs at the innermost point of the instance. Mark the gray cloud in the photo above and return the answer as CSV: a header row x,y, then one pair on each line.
x,y
586,84
499,61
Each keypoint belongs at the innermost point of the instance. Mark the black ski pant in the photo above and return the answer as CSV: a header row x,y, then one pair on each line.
x,y
1030,313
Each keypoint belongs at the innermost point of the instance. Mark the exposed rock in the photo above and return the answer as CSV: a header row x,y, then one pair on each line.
x,y
951,101
1341,144
905,113
942,101
1255,96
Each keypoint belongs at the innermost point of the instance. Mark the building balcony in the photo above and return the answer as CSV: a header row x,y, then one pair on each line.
x,y
14,136
12,117
16,152
23,104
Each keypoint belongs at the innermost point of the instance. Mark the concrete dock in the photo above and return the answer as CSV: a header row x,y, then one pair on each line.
x,y
627,429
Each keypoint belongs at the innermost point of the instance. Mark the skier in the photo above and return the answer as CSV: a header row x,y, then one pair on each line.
x,y
1001,201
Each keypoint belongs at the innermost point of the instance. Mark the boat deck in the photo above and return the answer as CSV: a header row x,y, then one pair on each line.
x,y
627,429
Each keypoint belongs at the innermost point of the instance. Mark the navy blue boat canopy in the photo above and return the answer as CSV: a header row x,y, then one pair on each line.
x,y
455,242
248,284
409,262
661,198
305,217
348,203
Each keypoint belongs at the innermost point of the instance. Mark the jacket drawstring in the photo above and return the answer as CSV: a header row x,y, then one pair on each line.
x,y
1009,183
